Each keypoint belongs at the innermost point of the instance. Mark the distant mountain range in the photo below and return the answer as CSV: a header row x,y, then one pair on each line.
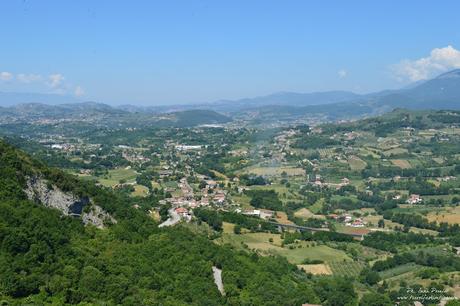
x,y
442,92
99,114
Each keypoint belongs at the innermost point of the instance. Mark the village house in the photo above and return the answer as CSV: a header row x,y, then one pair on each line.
x,y
219,198
333,216
204,201
266,214
357,223
211,184
261,213
242,189
187,147
414,199
165,173
183,213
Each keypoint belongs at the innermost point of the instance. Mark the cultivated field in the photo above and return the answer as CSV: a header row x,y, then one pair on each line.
x,y
401,163
395,151
317,269
115,176
356,163
304,213
275,171
346,268
281,217
398,270
450,215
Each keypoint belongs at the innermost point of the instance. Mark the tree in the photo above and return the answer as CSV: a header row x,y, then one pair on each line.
x,y
91,281
381,223
375,299
370,277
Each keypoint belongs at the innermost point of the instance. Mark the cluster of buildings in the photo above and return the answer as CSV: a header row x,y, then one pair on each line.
x,y
184,213
184,203
261,213
188,147
134,157
318,181
348,220
66,147
414,199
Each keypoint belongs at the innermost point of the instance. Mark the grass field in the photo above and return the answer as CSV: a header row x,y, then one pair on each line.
x,y
296,255
243,200
319,252
155,215
115,176
275,171
304,213
316,208
395,151
317,269
228,227
140,191
401,163
346,268
450,215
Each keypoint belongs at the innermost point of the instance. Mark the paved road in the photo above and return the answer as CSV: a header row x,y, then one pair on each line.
x,y
173,218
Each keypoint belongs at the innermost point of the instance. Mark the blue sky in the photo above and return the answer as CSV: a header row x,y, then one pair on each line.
x,y
164,52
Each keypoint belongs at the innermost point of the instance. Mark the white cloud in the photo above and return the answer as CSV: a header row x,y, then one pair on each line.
x,y
55,80
28,77
79,91
6,76
440,60
342,73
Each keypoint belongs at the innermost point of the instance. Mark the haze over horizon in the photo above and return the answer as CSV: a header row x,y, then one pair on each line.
x,y
179,52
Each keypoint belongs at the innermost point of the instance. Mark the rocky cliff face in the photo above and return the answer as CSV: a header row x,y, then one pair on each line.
x,y
97,217
41,191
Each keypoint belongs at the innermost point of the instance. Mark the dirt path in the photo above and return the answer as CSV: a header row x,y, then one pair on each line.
x,y
218,279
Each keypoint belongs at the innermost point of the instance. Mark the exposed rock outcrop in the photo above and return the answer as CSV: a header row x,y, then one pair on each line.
x,y
41,191
97,217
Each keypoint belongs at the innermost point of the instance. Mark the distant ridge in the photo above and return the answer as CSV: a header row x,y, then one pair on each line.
x,y
441,92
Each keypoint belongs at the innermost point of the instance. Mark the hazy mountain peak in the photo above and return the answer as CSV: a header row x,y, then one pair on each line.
x,y
451,74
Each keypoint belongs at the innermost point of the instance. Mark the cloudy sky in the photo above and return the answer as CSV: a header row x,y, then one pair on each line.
x,y
163,52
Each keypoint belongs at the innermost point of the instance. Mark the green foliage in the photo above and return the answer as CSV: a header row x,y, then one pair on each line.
x,y
391,241
336,292
369,277
265,199
375,299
